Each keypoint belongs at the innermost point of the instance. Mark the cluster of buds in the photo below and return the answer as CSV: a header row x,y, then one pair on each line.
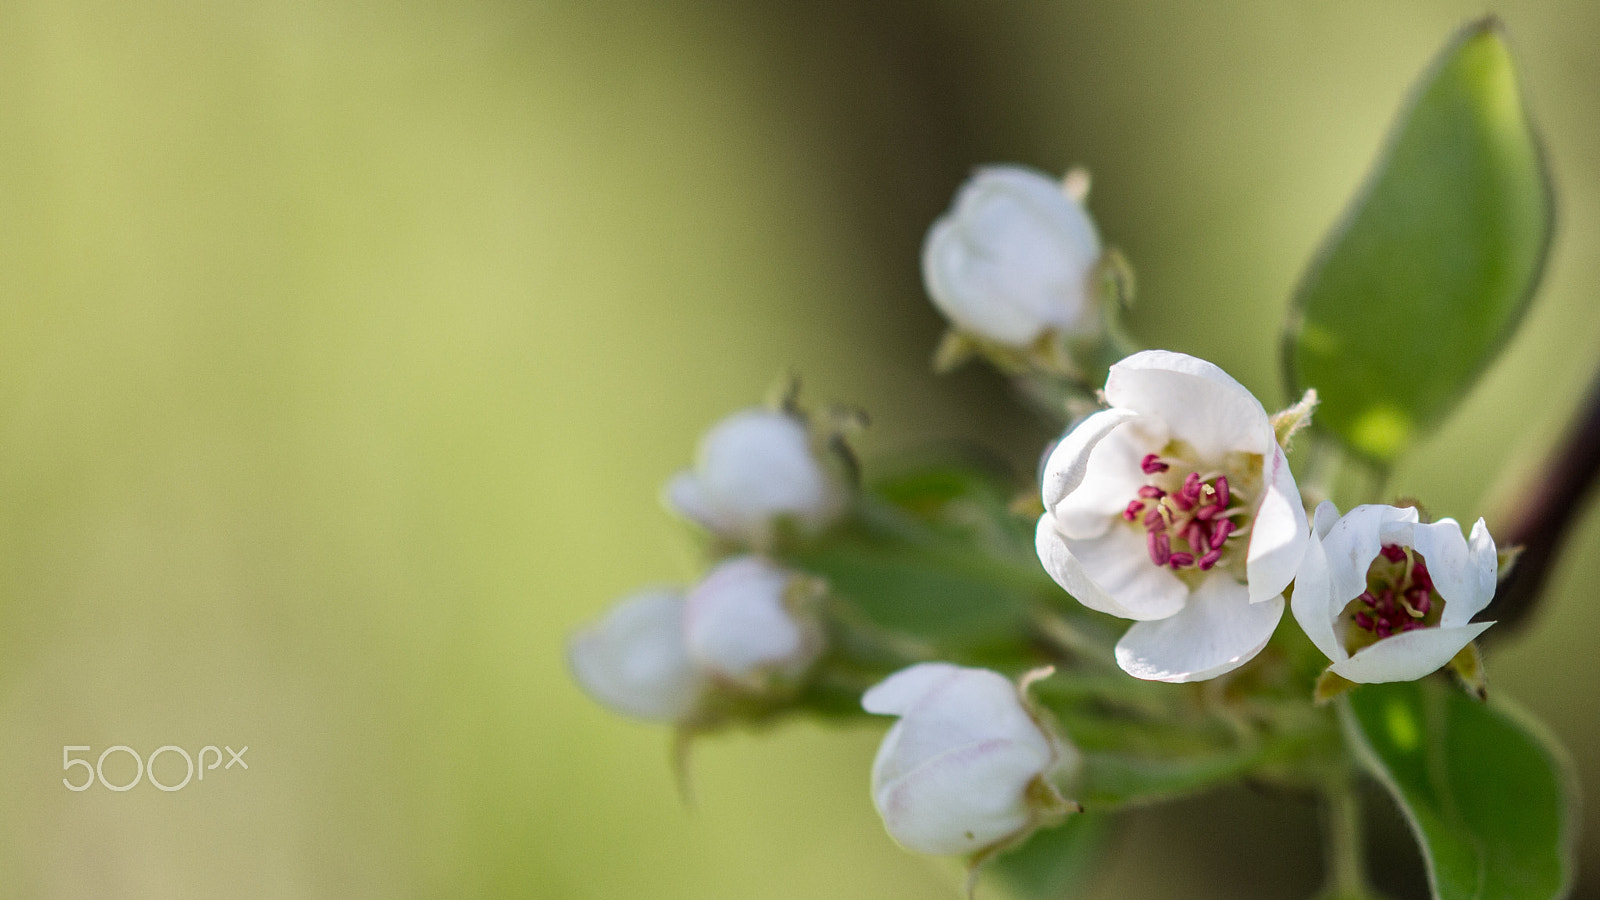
x,y
751,629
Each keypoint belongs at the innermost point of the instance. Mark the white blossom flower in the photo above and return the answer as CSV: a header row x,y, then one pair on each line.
x,y
1175,508
1388,597
749,622
757,468
967,767
635,661
1013,259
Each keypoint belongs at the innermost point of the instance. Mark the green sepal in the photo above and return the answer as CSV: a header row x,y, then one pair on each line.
x,y
1053,863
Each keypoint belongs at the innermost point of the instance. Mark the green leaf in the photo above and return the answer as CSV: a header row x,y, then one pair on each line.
x,y
1426,276
943,595
1055,863
1490,798
934,553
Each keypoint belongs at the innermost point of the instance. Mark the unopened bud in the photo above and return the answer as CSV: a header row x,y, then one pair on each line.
x,y
757,468
1014,258
634,660
751,622
968,767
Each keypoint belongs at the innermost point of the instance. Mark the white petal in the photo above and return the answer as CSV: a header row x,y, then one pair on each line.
x,y
736,623
944,708
1278,532
1112,479
1012,258
950,776
1327,514
1112,573
1064,471
959,283
901,691
634,660
1313,598
1045,197
687,497
1407,656
1484,562
1201,404
961,801
1353,543
1464,578
758,464
1218,631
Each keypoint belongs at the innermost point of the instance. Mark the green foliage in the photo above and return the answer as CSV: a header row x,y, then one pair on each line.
x,y
1428,273
1054,863
1117,781
934,554
1486,794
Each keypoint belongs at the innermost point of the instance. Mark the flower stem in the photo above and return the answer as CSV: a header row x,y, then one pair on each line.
x,y
1063,635
1346,858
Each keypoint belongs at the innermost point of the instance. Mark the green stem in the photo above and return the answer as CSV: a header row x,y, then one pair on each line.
x,y
1072,640
1347,877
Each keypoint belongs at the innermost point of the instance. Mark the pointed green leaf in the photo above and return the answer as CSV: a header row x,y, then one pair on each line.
x,y
1490,799
1426,276
1055,863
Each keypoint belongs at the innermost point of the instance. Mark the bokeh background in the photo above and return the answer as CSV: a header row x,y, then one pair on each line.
x,y
345,346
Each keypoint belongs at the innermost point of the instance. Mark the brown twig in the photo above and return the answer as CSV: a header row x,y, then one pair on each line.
x,y
1544,517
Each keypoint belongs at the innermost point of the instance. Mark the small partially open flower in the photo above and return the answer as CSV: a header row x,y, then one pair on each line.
x,y
634,659
1390,598
968,767
1175,508
753,623
1013,259
756,470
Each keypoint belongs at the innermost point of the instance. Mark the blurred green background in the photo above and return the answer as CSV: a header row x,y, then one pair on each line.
x,y
346,345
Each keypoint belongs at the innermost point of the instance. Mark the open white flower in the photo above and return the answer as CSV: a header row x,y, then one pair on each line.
x,y
967,767
1013,258
756,468
1388,597
751,622
1176,508
635,661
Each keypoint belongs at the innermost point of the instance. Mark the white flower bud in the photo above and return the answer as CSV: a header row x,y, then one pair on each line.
x,y
755,468
634,660
1014,258
967,767
747,622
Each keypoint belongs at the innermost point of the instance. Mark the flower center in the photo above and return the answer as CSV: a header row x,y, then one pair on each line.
x,y
1191,510
1400,596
